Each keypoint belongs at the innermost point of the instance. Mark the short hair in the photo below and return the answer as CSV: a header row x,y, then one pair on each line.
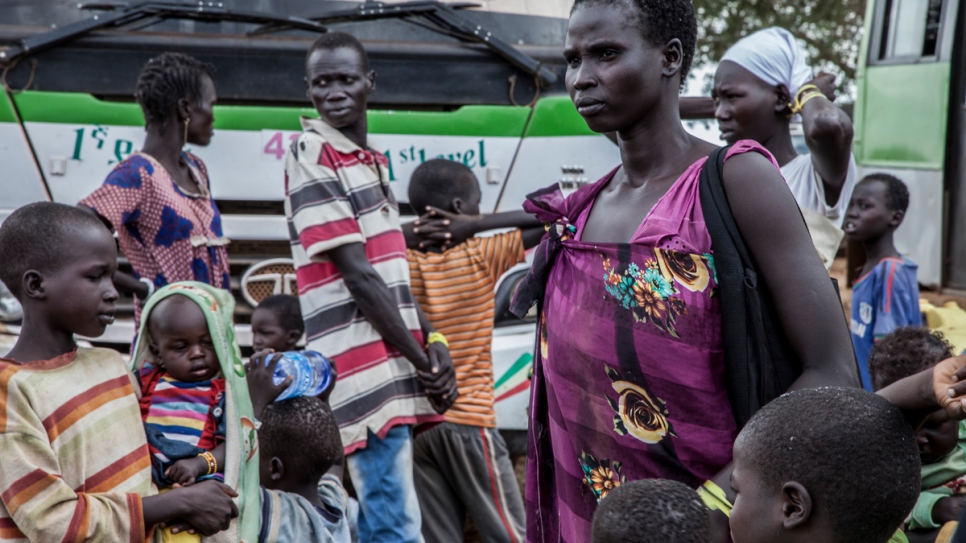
x,y
652,511
330,41
897,194
853,451
304,433
37,237
167,78
906,351
661,21
438,182
286,309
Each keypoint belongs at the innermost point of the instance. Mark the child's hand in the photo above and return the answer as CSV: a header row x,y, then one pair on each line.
x,y
187,470
949,386
261,385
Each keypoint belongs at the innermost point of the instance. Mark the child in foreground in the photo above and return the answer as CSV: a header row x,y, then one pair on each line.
x,y
195,402
652,511
75,461
886,295
835,465
942,449
277,326
301,473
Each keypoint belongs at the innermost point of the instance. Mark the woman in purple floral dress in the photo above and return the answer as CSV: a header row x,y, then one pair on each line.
x,y
629,376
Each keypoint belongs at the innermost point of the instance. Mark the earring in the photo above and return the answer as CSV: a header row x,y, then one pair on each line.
x,y
186,131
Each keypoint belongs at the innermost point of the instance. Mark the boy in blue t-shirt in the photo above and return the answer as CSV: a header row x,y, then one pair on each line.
x,y
886,295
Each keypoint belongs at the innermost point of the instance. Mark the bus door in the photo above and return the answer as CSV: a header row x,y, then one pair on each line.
x,y
902,114
956,164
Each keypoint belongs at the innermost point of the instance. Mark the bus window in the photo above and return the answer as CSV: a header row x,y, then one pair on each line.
x,y
910,29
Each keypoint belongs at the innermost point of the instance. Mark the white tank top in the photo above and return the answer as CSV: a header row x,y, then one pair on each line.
x,y
809,190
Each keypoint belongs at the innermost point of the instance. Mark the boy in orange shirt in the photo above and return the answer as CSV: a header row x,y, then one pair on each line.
x,y
462,465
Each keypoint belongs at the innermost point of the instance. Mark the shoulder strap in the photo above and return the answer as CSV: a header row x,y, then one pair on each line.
x,y
714,186
759,362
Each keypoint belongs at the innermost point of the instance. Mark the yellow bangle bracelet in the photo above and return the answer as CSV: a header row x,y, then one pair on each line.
x,y
801,103
805,88
212,463
436,337
715,498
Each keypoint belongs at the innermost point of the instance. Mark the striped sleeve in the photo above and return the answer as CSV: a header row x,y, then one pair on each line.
x,y
502,252
321,212
58,482
45,508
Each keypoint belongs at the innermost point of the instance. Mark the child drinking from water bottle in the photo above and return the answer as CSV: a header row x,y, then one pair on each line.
x,y
277,326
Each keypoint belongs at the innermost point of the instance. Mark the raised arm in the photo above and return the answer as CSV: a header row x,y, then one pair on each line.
x,y
443,228
828,134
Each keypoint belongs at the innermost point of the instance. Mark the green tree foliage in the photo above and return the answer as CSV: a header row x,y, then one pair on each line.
x,y
831,29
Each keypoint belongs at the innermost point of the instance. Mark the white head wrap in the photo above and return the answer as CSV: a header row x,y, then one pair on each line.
x,y
774,56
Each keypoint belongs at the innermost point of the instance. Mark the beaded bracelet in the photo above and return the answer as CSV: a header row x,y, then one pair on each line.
x,y
212,463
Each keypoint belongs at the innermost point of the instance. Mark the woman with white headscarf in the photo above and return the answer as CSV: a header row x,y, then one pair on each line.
x,y
761,84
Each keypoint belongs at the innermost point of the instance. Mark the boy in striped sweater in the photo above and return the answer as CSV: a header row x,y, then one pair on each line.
x,y
462,465
76,465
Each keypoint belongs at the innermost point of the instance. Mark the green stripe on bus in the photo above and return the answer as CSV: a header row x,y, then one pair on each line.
x,y
6,110
78,108
557,116
525,360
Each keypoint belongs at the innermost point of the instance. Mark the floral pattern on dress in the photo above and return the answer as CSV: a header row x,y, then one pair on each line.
x,y
601,476
688,270
647,293
638,413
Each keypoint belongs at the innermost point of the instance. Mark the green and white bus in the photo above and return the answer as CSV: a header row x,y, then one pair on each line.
x,y
909,121
448,87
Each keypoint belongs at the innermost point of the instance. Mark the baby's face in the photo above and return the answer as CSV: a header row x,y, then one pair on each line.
x,y
937,437
182,343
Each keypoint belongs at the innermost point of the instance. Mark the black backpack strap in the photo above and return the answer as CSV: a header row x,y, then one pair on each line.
x,y
759,363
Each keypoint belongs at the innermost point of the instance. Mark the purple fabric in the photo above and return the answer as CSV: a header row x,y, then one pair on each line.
x,y
628,380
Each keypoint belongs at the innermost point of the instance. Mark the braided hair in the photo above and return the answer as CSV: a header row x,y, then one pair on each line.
x,y
166,79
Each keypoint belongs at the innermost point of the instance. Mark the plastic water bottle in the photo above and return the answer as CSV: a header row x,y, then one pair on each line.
x,y
312,372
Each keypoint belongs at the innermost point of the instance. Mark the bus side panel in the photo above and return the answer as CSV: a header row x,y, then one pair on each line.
x,y
906,108
86,138
901,128
20,183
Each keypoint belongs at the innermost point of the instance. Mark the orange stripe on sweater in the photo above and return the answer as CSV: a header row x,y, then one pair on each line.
x,y
9,529
82,404
26,488
77,529
135,510
6,373
121,470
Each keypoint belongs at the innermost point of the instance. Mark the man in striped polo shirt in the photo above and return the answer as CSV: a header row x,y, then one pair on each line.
x,y
353,277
